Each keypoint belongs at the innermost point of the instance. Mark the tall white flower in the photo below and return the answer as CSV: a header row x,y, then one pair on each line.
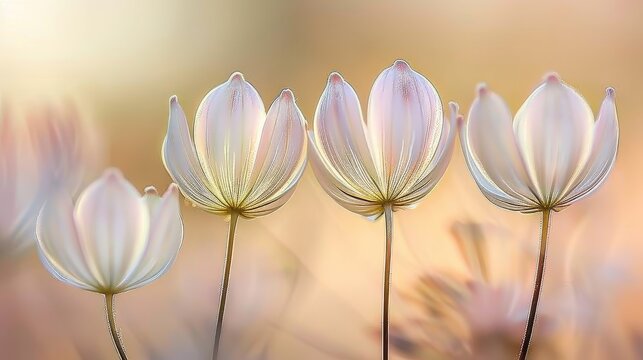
x,y
396,157
242,163
388,163
112,240
41,151
552,155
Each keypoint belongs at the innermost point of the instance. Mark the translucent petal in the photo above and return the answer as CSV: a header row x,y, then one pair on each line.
x,y
281,156
554,131
60,248
493,146
113,223
22,189
163,242
227,130
404,124
437,165
182,164
350,198
603,156
490,190
340,136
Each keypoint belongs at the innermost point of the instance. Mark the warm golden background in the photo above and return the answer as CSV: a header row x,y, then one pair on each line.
x,y
306,280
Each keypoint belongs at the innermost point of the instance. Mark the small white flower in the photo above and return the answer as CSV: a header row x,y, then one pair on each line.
x,y
112,240
552,155
242,159
396,157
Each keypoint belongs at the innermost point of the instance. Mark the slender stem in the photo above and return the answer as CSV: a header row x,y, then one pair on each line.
x,y
544,232
116,338
227,263
388,215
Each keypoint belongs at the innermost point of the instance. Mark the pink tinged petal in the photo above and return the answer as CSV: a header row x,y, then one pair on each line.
x,y
20,185
340,135
336,187
281,156
163,241
494,148
113,223
227,130
438,163
604,148
490,190
404,124
182,164
554,130
60,248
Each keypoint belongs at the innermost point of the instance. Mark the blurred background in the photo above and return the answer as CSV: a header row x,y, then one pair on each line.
x,y
306,280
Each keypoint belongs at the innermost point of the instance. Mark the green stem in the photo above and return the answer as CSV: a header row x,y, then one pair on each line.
x,y
226,282
544,232
109,308
388,216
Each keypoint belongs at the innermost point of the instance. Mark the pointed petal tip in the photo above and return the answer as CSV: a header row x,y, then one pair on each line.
x,y
460,121
173,189
151,190
112,174
454,107
287,94
552,78
482,89
237,77
335,78
401,65
610,92
174,100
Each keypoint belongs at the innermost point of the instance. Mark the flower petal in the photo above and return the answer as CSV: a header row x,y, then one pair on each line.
x,y
345,195
490,190
604,148
163,242
60,249
21,186
404,124
227,130
554,131
112,222
182,164
438,164
493,146
281,156
340,136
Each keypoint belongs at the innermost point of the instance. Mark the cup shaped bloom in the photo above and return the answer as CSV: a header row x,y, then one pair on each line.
x,y
242,159
41,152
396,157
552,155
112,240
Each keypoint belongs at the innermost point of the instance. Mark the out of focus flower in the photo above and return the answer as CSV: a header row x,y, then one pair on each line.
x,y
112,240
397,157
554,153
389,164
242,159
41,152
477,316
243,162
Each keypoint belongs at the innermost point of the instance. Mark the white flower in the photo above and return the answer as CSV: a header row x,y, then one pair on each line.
x,y
112,240
554,153
242,159
395,158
